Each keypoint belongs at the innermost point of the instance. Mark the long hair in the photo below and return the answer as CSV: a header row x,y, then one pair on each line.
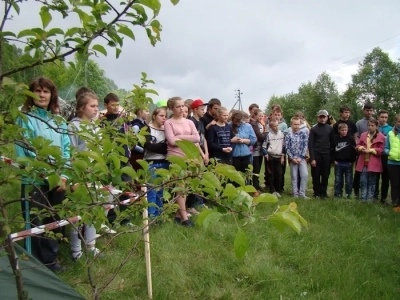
x,y
43,82
238,116
82,101
374,121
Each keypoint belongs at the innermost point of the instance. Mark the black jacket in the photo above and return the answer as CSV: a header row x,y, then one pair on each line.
x,y
344,149
321,140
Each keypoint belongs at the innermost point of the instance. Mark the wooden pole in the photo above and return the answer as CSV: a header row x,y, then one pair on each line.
x,y
146,237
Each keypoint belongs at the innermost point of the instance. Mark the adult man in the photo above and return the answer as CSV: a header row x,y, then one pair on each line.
x,y
209,117
344,113
362,126
384,128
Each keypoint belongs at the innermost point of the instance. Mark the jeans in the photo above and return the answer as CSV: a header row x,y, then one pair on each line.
x,y
368,185
154,196
343,169
295,171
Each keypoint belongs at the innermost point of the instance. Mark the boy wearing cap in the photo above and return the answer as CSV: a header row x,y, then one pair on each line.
x,y
320,143
198,107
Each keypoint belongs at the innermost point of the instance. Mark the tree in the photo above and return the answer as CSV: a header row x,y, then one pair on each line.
x,y
101,164
377,81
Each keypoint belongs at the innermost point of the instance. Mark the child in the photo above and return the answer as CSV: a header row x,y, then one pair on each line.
x,y
219,138
370,146
87,107
344,155
258,128
278,114
320,143
296,149
198,107
392,149
274,155
383,128
179,128
137,124
243,139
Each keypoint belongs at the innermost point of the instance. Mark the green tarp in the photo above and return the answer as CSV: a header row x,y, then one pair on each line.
x,y
39,281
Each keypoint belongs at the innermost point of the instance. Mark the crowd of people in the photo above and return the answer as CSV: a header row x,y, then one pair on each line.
x,y
233,137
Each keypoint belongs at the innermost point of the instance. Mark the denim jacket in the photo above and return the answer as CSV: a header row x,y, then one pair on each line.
x,y
245,131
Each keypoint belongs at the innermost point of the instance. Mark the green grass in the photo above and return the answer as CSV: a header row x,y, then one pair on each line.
x,y
350,251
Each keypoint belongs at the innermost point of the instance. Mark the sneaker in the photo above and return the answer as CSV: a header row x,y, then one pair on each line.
x,y
96,253
295,196
276,194
107,229
187,223
177,220
76,255
305,197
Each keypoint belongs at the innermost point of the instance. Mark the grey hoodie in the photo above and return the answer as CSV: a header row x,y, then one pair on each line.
x,y
76,141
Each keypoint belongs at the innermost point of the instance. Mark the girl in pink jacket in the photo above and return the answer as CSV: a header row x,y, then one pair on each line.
x,y
370,146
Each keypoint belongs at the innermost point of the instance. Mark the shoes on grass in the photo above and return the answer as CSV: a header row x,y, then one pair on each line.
x,y
56,267
95,252
107,229
192,211
276,194
187,223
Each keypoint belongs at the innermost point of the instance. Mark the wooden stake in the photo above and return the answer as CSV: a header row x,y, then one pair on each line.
x,y
146,237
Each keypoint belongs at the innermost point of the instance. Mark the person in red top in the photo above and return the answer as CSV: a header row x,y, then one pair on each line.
x,y
370,146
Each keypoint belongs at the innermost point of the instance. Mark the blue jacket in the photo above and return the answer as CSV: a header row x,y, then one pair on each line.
x,y
385,129
245,131
35,127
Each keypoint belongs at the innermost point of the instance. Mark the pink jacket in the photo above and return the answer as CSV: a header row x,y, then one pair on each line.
x,y
375,163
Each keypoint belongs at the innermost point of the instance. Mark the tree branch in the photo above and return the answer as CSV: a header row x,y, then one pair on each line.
x,y
73,50
7,8
113,8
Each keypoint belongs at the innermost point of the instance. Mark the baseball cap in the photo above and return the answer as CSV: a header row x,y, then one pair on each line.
x,y
322,112
197,103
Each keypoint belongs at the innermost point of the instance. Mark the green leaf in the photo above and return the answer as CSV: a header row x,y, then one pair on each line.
x,y
154,5
190,150
230,192
211,219
72,31
180,161
248,189
144,164
201,217
55,31
126,31
45,16
208,184
26,32
15,6
128,170
7,33
267,198
53,180
174,2
277,222
241,244
230,173
212,179
292,220
117,52
100,49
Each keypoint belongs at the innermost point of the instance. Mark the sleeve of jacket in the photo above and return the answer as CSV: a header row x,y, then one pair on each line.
x,y
252,135
212,139
353,150
160,148
288,146
260,136
27,134
311,144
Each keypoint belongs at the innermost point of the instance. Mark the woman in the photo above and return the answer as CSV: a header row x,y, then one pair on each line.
x,y
87,108
40,122
155,151
179,128
243,139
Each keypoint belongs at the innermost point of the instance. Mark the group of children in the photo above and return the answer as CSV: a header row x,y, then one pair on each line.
x,y
233,138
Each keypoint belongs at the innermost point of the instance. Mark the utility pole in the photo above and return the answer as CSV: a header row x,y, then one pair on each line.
x,y
239,100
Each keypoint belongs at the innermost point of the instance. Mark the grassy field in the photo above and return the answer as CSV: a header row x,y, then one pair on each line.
x,y
350,251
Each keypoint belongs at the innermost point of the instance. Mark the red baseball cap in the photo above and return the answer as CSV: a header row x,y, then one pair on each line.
x,y
197,103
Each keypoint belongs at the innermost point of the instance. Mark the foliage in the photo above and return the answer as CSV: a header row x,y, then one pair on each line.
x,y
91,172
377,81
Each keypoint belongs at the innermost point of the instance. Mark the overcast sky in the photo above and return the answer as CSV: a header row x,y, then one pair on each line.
x,y
210,48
